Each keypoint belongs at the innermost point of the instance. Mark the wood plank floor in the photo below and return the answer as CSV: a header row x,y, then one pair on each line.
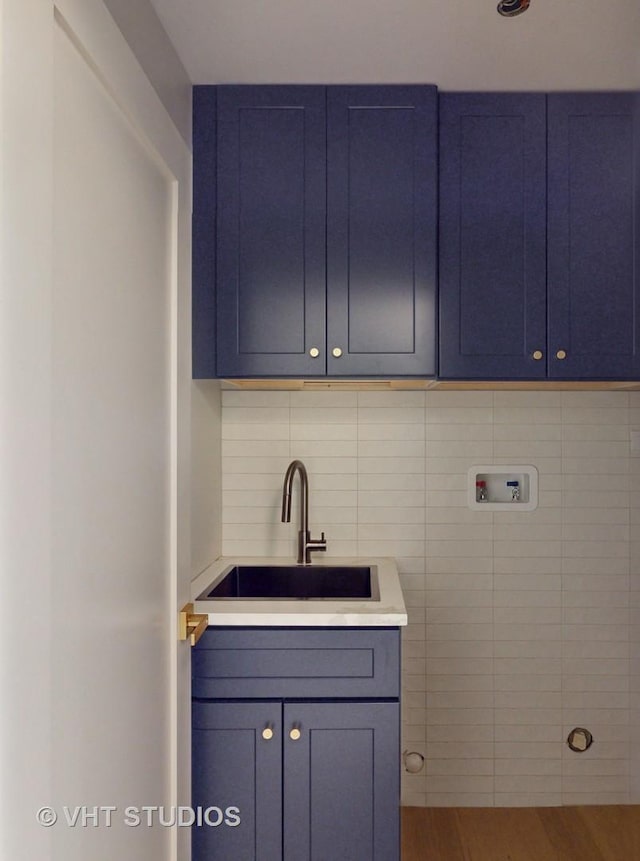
x,y
609,833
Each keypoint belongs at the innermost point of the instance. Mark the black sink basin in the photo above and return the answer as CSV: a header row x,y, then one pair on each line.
x,y
296,583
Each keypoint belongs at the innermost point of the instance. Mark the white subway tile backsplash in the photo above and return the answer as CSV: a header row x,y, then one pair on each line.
x,y
323,415
520,623
470,746
520,450
529,549
527,531
527,399
523,750
245,500
255,431
323,431
459,415
538,701
384,515
604,490
527,614
618,616
482,683
527,415
251,481
523,799
255,448
391,415
392,481
242,415
526,734
391,432
323,400
394,465
595,433
312,450
527,433
527,683
458,599
529,783
391,448
453,448
513,767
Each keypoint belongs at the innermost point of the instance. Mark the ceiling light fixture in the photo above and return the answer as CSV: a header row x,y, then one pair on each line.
x,y
511,8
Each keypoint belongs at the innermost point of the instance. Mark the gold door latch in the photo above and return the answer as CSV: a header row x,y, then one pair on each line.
x,y
192,625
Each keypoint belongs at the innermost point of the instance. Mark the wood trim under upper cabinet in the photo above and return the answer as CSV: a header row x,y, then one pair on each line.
x,y
434,385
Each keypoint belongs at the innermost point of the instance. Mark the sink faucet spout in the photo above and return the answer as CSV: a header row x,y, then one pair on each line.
x,y
306,544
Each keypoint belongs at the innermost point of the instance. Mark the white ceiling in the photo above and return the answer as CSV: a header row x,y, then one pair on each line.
x,y
556,44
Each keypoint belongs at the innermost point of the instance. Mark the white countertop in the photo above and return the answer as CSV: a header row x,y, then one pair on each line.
x,y
389,611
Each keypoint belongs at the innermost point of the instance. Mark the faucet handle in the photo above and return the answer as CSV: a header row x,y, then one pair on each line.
x,y
317,543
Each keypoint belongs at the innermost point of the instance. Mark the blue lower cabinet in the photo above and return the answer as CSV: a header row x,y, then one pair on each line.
x,y
237,777
341,781
289,777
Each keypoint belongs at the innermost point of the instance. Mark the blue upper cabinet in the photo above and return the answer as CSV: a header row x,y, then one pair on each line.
x,y
321,250
381,230
593,231
492,236
271,215
538,226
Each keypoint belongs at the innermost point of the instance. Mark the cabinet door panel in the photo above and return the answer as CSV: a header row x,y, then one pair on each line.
x,y
271,230
594,227
492,235
381,229
341,795
234,766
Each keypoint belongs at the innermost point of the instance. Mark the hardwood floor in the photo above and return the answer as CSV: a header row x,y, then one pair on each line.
x,y
609,833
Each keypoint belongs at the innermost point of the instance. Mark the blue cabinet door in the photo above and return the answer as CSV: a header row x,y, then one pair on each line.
x,y
234,766
594,230
381,230
492,236
341,788
271,211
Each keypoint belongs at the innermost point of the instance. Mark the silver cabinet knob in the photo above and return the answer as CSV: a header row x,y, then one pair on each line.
x,y
537,355
337,352
561,354
314,352
267,732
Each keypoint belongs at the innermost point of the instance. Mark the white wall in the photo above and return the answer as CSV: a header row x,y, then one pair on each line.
x,y
155,53
556,44
37,686
25,427
521,625
634,666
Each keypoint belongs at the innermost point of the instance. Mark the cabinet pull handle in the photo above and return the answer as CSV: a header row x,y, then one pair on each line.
x,y
537,355
314,352
561,354
191,626
295,733
337,352
267,732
